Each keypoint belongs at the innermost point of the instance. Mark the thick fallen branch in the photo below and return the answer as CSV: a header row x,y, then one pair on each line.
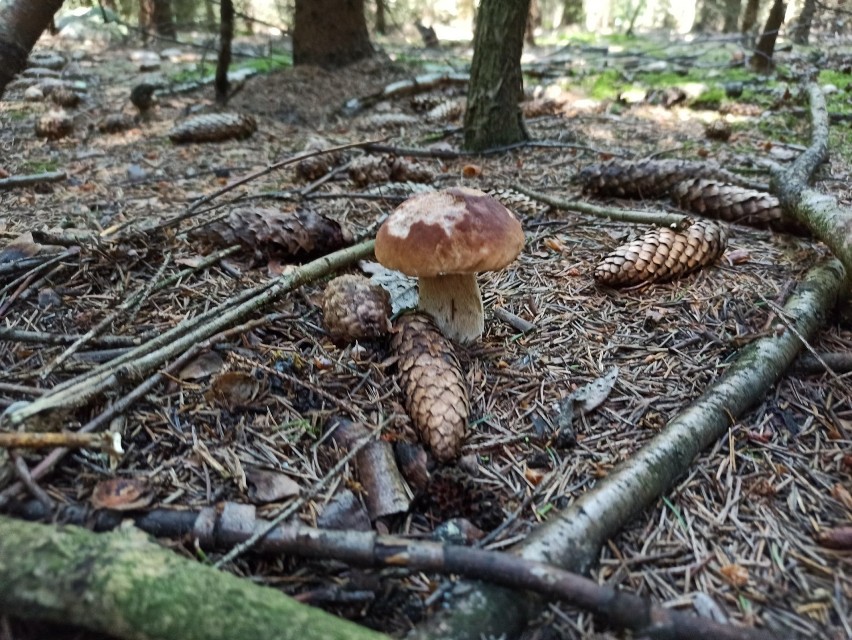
x,y
572,539
125,585
146,358
827,220
659,218
231,523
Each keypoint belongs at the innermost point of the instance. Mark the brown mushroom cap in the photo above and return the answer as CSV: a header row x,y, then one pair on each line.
x,y
457,230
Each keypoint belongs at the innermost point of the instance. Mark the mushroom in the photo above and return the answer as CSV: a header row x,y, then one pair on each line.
x,y
445,238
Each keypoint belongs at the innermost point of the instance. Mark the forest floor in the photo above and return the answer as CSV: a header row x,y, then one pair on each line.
x,y
740,529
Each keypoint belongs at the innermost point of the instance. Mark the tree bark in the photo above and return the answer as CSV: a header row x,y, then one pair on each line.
x,y
330,33
761,61
493,116
381,22
125,585
732,16
802,30
750,15
226,35
21,24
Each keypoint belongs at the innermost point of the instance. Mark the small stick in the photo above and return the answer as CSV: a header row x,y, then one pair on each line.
x,y
171,222
516,322
673,220
13,182
109,442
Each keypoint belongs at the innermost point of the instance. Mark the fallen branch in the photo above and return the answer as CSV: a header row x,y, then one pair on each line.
x,y
109,442
13,182
230,523
572,539
826,219
123,584
658,218
140,361
404,88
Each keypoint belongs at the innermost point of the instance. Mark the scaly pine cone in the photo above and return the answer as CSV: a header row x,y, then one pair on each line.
x,y
733,204
116,123
451,109
647,178
354,308
517,202
54,125
452,493
272,233
316,167
64,97
371,169
432,383
663,254
213,127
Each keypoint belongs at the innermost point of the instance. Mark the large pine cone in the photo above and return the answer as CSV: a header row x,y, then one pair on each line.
x,y
54,125
213,127
433,385
354,308
647,178
733,204
452,493
371,169
289,236
517,202
663,254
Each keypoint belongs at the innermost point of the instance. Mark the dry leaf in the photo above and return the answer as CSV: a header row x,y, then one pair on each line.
x,y
121,494
20,248
842,495
735,574
235,389
204,365
270,486
402,289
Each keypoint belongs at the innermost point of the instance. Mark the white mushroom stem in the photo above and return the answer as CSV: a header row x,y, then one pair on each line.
x,y
454,302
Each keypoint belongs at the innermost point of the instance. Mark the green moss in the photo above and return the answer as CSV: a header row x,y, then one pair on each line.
x,y
605,86
39,166
711,98
271,63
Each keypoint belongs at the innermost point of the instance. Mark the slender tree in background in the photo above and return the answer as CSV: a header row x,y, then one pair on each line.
x,y
330,33
226,35
761,61
493,116
381,22
802,30
155,16
731,16
750,15
21,24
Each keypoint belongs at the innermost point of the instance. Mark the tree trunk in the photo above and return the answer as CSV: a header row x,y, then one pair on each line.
x,y
750,15
21,24
708,12
732,16
124,585
761,61
533,22
381,23
155,16
226,34
330,33
493,116
209,15
802,30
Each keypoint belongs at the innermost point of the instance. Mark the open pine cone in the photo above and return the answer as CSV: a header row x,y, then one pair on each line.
x,y
663,254
452,493
432,383
354,308
213,127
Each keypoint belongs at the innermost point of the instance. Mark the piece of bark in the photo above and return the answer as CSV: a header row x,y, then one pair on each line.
x,y
385,490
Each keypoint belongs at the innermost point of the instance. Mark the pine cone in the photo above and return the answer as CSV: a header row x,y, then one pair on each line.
x,y
64,97
354,309
371,169
213,127
663,254
285,235
451,109
517,202
115,123
54,125
452,493
647,178
718,130
432,384
733,204
316,167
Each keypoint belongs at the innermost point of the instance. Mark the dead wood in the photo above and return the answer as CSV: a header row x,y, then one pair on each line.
x,y
572,540
110,442
658,218
13,182
403,88
231,523
839,362
827,220
123,584
385,491
141,361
